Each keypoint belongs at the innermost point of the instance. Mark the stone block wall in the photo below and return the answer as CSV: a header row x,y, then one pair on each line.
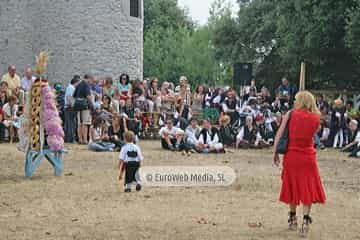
x,y
82,36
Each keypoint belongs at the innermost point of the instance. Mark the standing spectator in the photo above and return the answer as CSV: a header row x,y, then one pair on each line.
x,y
337,124
27,80
70,115
286,93
11,120
83,93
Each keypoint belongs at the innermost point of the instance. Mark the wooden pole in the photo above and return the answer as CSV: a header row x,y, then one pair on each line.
x,y
302,76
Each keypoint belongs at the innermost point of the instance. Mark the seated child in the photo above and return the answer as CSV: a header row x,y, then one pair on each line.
x,y
130,161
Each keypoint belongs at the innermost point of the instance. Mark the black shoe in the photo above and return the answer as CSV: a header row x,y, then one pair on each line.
x,y
127,190
138,187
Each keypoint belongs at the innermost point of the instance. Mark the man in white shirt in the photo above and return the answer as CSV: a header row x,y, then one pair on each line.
x,y
191,133
171,137
209,141
69,114
27,80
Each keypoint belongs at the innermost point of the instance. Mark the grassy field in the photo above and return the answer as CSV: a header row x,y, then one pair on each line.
x,y
88,202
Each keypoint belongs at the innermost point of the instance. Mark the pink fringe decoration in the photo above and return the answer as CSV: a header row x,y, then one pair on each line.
x,y
51,120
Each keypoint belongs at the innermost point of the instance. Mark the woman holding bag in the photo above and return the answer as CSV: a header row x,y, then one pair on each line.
x,y
300,176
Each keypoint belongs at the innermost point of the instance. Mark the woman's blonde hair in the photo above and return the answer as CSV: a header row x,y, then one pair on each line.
x,y
305,100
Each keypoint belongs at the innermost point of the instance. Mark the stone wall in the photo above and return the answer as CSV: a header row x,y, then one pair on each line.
x,y
82,36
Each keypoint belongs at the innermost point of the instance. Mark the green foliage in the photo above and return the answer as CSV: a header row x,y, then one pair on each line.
x,y
277,35
174,47
353,31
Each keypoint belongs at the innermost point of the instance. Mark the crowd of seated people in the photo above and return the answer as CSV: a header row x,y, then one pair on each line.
x,y
204,119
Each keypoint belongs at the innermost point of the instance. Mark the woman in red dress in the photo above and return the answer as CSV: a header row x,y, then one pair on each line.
x,y
301,181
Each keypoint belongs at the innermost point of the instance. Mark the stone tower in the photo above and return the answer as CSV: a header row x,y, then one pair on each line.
x,y
102,36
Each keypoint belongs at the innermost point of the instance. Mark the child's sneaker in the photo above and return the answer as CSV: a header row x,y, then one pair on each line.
x,y
127,190
138,187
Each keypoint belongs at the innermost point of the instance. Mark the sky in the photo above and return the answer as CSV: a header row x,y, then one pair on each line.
x,y
199,9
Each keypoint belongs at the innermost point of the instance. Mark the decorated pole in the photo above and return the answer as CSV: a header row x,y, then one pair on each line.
x,y
42,125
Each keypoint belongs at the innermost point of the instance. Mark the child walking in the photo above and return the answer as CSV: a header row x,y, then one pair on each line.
x,y
130,158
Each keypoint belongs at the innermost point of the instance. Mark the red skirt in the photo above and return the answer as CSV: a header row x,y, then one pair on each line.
x,y
301,182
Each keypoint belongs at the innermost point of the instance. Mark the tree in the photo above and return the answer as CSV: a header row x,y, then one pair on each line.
x,y
174,46
353,31
285,32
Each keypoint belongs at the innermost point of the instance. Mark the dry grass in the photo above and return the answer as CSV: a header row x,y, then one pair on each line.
x,y
88,202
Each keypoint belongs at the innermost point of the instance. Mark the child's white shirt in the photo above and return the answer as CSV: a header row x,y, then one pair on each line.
x,y
130,147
